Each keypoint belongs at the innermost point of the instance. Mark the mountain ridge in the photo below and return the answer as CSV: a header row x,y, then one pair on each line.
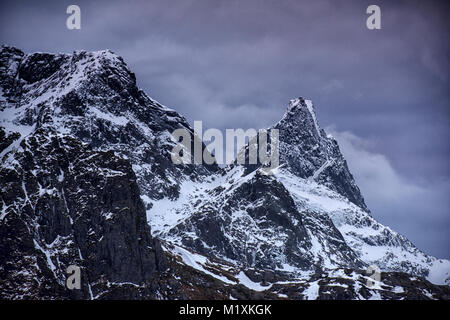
x,y
309,218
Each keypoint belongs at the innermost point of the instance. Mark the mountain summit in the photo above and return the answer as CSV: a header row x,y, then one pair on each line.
x,y
310,153
87,180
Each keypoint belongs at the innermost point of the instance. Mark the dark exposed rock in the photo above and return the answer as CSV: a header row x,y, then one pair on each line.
x,y
64,204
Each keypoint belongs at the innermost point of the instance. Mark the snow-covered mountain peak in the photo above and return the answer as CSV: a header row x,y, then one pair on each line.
x,y
93,96
301,109
309,153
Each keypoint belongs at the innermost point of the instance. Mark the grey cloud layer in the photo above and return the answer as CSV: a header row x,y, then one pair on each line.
x,y
237,64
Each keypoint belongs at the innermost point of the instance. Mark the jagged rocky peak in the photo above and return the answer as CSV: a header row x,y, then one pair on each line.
x,y
304,111
94,97
77,83
53,76
310,153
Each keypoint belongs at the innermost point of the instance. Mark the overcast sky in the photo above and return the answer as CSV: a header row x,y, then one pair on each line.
x,y
384,94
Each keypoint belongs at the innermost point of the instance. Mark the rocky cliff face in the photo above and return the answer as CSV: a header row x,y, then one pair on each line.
x,y
86,168
65,204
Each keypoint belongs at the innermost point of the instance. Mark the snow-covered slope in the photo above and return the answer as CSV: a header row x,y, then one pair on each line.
x,y
374,243
340,283
310,228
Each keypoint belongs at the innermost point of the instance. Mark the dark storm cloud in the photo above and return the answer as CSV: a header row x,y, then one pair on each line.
x,y
237,63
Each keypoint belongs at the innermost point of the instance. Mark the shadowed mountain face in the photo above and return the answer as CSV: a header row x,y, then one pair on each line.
x,y
86,168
